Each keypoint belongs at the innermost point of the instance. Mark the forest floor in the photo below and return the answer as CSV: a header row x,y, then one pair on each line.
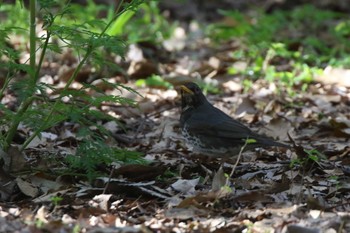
x,y
302,189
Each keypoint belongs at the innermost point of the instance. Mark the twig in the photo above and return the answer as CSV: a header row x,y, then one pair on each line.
x,y
237,161
109,180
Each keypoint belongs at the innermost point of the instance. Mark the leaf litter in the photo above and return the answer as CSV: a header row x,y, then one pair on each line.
x,y
274,190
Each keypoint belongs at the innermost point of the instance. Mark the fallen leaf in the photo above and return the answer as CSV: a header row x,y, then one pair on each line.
x,y
27,188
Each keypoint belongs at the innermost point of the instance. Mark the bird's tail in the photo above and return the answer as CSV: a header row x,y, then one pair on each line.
x,y
265,141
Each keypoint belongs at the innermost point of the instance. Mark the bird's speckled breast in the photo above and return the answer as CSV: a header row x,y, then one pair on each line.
x,y
197,146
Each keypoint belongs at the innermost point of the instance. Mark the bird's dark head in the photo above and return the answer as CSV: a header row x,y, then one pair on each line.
x,y
191,96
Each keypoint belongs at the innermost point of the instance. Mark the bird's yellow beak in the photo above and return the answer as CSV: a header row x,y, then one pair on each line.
x,y
184,88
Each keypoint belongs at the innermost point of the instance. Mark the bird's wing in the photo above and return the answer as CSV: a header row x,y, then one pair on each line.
x,y
231,132
217,124
227,128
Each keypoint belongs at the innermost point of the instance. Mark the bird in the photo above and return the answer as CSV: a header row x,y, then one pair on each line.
x,y
210,131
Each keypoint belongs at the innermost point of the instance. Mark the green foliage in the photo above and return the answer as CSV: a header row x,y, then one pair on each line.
x,y
250,141
304,43
93,152
56,200
313,156
168,174
147,24
208,87
118,26
66,26
154,81
16,17
76,228
247,84
39,223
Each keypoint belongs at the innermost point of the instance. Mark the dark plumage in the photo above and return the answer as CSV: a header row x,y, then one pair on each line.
x,y
210,131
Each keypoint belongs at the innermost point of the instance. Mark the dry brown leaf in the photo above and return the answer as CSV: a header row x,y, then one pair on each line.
x,y
177,41
246,107
42,214
233,86
278,128
219,180
180,213
102,201
337,76
139,172
185,187
14,160
27,188
301,229
253,196
142,69
196,201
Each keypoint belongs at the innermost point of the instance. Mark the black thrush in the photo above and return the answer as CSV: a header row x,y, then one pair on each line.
x,y
212,132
